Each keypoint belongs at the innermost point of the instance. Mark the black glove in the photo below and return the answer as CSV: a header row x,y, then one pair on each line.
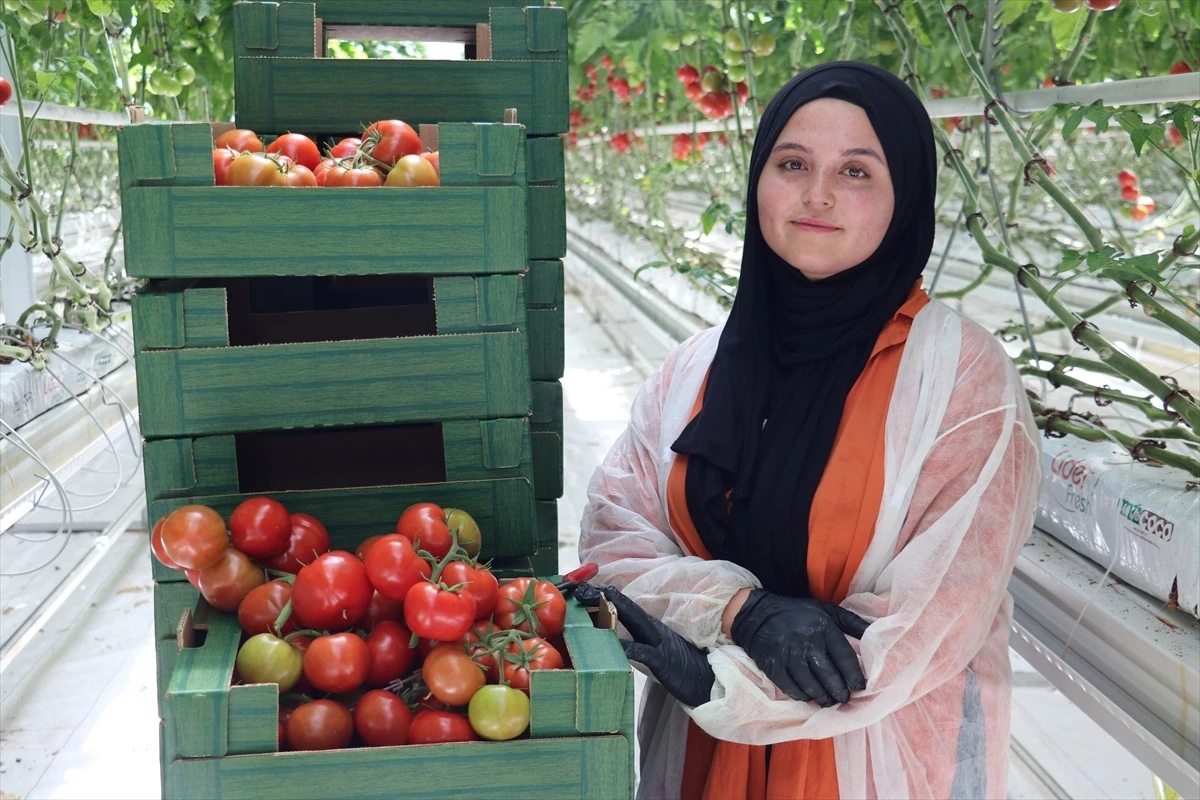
x,y
680,666
801,645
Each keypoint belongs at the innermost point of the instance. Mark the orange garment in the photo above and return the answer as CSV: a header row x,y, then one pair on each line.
x,y
841,523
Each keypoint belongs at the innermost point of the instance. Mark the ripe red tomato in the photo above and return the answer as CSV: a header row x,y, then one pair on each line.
x,y
260,527
438,614
354,177
240,140
300,175
1178,68
5,91
412,170
395,139
1174,136
361,552
156,546
529,654
1126,178
451,675
390,654
434,159
434,727
255,169
687,74
332,592
1103,5
382,719
222,158
1139,213
379,609
227,582
298,147
193,576
481,584
606,62
337,663
321,173
394,568
194,536
345,148
1146,202
531,605
262,606
320,725
307,540
1130,193
425,526
681,148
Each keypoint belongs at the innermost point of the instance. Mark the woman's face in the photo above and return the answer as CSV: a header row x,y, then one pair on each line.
x,y
825,196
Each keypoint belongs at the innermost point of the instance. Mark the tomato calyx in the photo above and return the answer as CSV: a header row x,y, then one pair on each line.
x,y
527,610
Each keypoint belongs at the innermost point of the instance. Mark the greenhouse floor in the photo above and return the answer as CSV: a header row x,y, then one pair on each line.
x,y
77,703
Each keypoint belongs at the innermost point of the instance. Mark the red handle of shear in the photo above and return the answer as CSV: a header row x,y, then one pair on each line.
x,y
580,575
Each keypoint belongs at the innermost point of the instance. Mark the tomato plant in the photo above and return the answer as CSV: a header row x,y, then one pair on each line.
x,y
307,540
265,658
481,584
240,140
320,725
499,713
436,727
260,527
390,654
226,583
451,675
382,719
436,613
194,536
394,567
332,592
260,609
337,663
298,147
531,605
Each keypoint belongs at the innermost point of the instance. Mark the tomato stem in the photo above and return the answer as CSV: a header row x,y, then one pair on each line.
x,y
285,614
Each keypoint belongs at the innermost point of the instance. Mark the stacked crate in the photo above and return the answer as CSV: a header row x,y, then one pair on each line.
x,y
350,352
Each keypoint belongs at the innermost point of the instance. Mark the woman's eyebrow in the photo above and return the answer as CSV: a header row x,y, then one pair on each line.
x,y
854,151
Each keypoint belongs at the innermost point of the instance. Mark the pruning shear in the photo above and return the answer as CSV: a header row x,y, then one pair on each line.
x,y
577,576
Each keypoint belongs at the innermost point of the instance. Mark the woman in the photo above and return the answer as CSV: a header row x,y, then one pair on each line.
x,y
843,459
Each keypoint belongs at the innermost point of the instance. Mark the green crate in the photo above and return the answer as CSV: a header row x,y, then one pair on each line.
x,y
194,314
206,717
546,424
445,13
208,391
547,526
178,224
547,343
547,416
280,85
544,285
547,221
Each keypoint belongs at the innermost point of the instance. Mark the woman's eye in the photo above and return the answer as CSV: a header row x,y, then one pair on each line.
x,y
792,166
856,172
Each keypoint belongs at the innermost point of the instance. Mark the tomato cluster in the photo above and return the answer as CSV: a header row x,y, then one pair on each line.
x,y
410,640
713,91
1141,205
387,154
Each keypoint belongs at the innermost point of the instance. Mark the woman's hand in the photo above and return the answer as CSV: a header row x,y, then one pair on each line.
x,y
680,666
801,645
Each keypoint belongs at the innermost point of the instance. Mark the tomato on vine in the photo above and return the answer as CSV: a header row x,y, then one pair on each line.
x,y
531,605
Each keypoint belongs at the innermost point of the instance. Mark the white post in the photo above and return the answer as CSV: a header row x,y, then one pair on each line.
x,y
16,266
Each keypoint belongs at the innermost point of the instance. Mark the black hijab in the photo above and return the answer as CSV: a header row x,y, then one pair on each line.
x,y
792,348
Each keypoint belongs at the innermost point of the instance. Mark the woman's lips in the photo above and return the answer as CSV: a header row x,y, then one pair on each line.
x,y
814,225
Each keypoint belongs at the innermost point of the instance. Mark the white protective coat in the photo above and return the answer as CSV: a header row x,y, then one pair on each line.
x,y
961,486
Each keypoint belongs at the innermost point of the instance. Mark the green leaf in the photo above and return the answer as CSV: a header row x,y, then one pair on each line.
x,y
1011,10
101,8
712,215
1183,116
163,5
651,265
1066,29
1074,121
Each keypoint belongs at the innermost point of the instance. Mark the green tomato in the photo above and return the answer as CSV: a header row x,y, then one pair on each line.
x,y
210,25
186,74
499,713
759,68
886,47
763,44
734,58
469,538
1067,6
736,74
154,84
712,82
734,41
689,38
171,86
266,658
671,42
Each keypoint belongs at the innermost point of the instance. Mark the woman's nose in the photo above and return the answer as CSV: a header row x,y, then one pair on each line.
x,y
818,192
